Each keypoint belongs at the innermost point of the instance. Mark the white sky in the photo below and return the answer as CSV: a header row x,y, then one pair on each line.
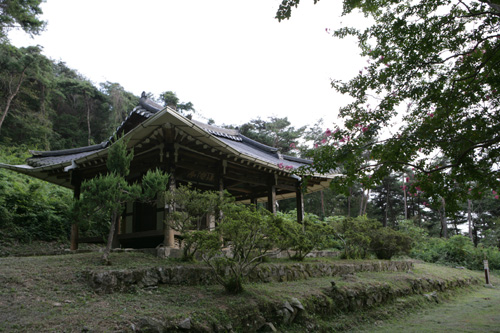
x,y
231,58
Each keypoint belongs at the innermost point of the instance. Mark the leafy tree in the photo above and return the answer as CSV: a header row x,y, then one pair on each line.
x,y
170,99
433,67
20,14
275,132
82,113
20,67
121,101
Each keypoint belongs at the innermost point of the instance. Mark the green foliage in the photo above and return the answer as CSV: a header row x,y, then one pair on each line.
x,y
432,68
119,100
387,242
170,99
275,132
355,233
362,236
240,242
301,239
154,185
456,251
24,78
22,14
105,195
31,209
188,208
119,159
49,106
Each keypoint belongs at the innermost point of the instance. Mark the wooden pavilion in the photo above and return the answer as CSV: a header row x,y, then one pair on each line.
x,y
208,157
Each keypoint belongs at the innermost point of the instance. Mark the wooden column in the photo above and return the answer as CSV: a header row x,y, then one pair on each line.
x,y
221,195
168,231
74,226
300,203
271,194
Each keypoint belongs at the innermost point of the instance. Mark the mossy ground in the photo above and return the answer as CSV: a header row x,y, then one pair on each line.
x,y
46,293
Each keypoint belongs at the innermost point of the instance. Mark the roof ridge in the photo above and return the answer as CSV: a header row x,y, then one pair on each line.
x,y
37,153
259,145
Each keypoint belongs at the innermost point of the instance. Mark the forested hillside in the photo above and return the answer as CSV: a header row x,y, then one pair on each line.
x,y
48,106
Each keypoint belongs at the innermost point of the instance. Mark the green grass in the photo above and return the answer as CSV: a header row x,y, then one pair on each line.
x,y
476,311
47,293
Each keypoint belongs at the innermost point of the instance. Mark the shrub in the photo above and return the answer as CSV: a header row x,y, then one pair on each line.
x,y
191,206
313,234
355,234
456,251
31,209
387,242
249,233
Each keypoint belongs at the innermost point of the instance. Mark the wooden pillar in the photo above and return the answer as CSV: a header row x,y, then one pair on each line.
x,y
74,226
168,231
253,201
271,194
300,203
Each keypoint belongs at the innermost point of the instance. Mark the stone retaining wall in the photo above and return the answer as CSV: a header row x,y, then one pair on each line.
x,y
128,279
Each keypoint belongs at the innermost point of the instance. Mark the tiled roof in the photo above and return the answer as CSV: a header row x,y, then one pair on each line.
x,y
45,158
143,111
146,109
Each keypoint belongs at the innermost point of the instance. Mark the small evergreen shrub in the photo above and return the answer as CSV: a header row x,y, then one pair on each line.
x,y
387,242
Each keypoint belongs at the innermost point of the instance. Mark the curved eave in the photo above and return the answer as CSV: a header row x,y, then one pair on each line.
x,y
43,173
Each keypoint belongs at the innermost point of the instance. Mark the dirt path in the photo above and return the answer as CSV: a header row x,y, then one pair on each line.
x,y
477,311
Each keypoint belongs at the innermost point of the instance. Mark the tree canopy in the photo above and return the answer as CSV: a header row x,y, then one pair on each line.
x,y
427,100
20,14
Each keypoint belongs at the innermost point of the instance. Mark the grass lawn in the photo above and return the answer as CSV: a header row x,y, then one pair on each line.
x,y
47,293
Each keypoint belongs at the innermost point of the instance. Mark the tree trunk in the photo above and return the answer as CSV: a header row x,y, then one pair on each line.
x,y
405,199
11,96
443,219
386,218
349,202
366,201
107,250
419,212
469,218
361,202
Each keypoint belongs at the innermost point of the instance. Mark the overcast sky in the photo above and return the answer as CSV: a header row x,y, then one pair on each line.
x,y
231,58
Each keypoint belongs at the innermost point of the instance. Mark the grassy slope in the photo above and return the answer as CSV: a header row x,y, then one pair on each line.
x,y
476,311
46,294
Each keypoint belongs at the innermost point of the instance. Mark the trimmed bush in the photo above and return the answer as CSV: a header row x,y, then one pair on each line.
x,y
387,242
